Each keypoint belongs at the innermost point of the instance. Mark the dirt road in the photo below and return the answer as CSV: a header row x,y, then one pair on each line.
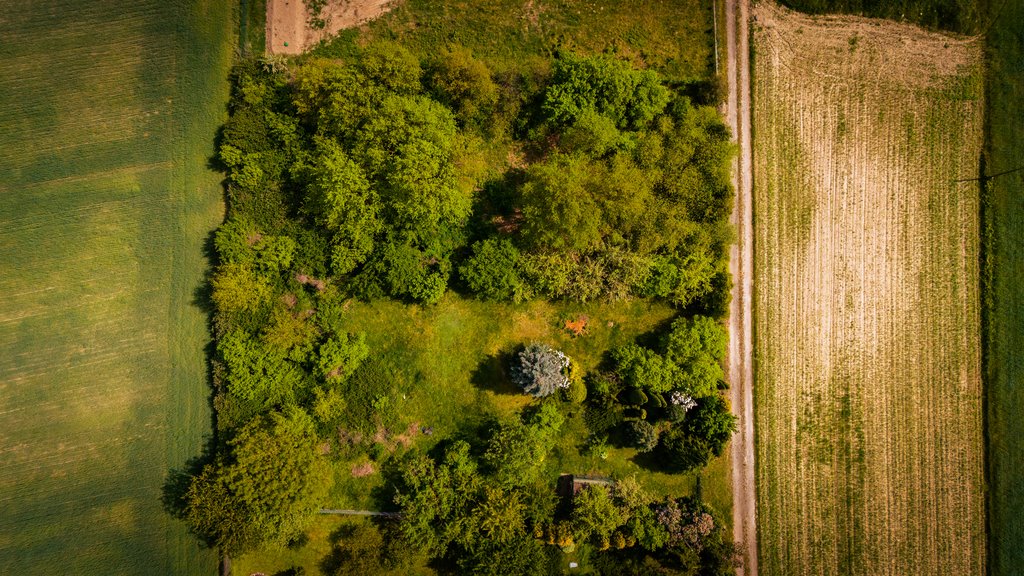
x,y
741,265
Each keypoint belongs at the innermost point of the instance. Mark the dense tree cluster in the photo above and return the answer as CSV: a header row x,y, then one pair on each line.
x,y
375,178
457,512
366,172
667,399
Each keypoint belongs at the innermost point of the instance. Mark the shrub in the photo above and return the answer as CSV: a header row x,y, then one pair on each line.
x,y
576,392
540,370
635,397
600,418
642,435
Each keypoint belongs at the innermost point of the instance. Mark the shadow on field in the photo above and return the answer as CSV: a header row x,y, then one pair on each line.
x,y
174,493
493,373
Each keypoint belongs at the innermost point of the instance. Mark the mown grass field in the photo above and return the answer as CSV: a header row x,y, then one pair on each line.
x,y
1004,268
446,360
867,306
108,110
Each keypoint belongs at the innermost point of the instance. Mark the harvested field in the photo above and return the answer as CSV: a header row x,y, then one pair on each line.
x,y
109,110
867,311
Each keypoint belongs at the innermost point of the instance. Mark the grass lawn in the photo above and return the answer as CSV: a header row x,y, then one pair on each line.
x,y
109,110
1004,306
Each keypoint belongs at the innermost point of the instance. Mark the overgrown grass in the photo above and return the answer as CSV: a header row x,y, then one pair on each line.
x,y
1003,213
109,110
252,26
962,16
674,37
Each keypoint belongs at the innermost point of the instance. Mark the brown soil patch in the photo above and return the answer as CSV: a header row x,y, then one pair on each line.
x,y
289,32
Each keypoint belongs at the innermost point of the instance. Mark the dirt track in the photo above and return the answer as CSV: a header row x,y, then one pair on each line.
x,y
741,262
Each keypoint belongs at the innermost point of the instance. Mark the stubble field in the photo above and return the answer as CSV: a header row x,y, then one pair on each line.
x,y
867,309
108,111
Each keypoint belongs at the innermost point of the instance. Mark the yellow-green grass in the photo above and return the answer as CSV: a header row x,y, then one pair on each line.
x,y
108,110
1004,302
449,363
672,36
867,306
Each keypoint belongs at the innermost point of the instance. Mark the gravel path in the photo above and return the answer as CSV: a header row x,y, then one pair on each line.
x,y
741,262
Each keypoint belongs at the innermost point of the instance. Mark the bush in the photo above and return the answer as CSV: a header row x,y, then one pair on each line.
x,y
601,418
631,98
493,271
540,370
576,392
642,435
339,356
680,452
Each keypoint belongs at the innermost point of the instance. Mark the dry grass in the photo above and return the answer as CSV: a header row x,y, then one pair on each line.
x,y
867,313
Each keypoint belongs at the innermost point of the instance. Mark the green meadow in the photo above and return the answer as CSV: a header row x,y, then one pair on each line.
x,y
108,111
1003,239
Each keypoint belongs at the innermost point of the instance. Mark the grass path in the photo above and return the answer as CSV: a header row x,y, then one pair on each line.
x,y
106,200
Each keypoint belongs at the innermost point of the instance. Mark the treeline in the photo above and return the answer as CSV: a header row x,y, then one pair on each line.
x,y
388,177
368,173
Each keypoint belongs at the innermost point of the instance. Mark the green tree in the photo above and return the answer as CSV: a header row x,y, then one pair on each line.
x,y
340,198
711,421
237,289
500,514
258,375
234,240
464,83
631,98
493,271
436,499
697,345
266,489
645,369
340,355
594,513
516,449
559,211
392,66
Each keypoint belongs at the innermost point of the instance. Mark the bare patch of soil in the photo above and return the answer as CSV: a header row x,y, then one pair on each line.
x,y
288,22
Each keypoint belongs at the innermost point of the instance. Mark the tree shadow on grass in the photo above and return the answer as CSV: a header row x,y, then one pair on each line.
x,y
493,373
174,493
